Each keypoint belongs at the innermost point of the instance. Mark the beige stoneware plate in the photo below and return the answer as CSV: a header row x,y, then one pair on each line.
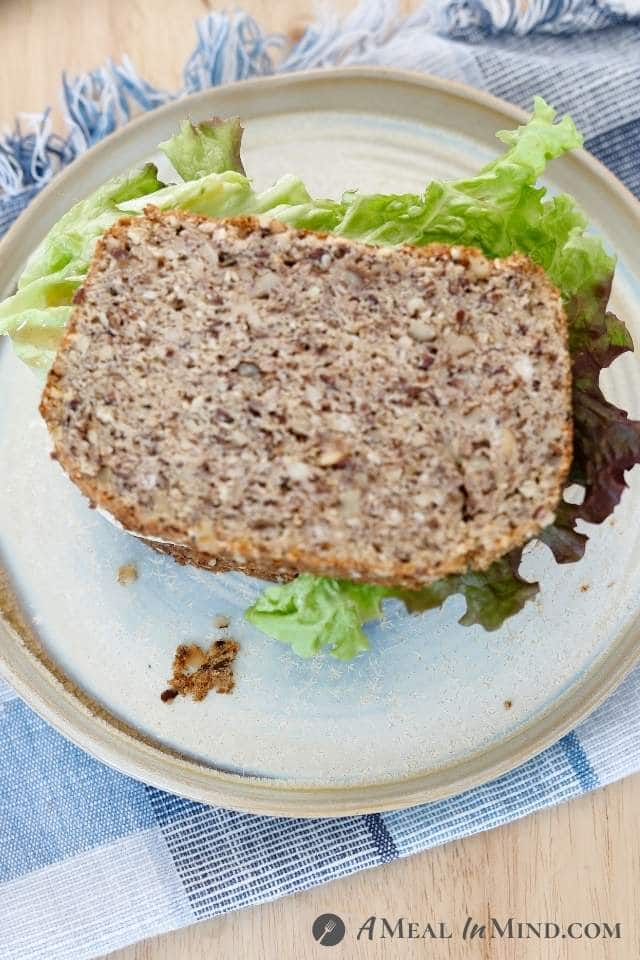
x,y
423,715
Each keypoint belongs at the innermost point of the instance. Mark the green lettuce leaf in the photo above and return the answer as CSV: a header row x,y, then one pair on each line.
x,y
33,317
68,247
217,194
35,334
500,210
59,264
222,195
317,613
211,146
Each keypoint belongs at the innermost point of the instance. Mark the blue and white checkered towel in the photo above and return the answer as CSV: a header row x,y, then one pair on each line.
x,y
91,860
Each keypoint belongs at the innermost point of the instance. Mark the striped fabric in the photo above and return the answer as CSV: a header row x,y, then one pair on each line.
x,y
91,860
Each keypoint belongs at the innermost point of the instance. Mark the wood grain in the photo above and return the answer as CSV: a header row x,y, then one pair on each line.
x,y
577,862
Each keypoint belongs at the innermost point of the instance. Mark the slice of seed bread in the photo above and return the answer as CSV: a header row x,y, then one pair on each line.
x,y
279,401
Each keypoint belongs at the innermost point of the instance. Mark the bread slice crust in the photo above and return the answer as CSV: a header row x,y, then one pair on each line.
x,y
277,401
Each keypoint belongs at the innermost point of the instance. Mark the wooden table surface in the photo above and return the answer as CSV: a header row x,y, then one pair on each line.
x,y
577,862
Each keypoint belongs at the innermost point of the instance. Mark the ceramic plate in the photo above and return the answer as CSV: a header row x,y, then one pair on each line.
x,y
423,715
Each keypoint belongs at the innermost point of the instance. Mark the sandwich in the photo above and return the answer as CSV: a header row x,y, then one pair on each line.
x,y
380,397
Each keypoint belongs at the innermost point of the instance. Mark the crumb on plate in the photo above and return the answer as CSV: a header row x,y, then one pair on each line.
x,y
127,573
196,672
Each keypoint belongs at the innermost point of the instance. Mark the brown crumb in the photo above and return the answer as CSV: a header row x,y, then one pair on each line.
x,y
508,704
196,672
127,573
585,587
221,622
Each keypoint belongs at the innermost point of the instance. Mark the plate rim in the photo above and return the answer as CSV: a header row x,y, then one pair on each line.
x,y
73,717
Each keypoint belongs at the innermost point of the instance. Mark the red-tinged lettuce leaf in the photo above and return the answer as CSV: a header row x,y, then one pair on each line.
x,y
606,441
315,614
492,595
496,594
566,544
429,597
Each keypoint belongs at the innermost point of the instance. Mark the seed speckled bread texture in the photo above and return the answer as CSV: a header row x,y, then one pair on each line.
x,y
278,400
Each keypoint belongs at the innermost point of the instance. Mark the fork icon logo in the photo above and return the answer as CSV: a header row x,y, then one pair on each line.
x,y
328,929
